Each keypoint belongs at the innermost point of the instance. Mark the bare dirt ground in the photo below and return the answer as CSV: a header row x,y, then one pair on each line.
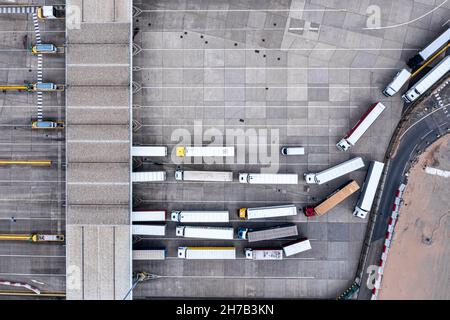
x,y
419,260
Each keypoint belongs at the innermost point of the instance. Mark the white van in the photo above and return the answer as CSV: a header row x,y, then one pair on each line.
x,y
399,81
292,151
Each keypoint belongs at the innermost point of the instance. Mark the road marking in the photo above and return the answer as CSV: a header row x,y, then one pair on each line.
x,y
248,107
233,277
38,218
29,256
278,50
34,274
437,172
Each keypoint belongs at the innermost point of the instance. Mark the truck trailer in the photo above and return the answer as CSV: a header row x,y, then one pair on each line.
x,y
148,216
268,178
276,232
148,151
361,127
200,216
202,232
263,254
182,151
268,212
430,50
220,176
149,254
148,176
369,189
333,200
297,246
149,230
207,253
334,172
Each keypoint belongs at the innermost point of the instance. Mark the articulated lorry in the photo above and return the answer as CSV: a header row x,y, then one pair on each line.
x,y
277,232
200,216
263,254
268,178
204,151
34,237
148,216
220,176
334,172
369,189
148,176
149,254
333,200
361,127
268,212
297,246
202,232
207,253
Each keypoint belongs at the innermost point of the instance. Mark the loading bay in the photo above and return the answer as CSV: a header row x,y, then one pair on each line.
x,y
305,71
31,197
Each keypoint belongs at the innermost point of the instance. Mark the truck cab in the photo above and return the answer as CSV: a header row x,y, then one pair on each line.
x,y
242,233
309,212
343,145
243,213
50,12
47,124
46,87
44,48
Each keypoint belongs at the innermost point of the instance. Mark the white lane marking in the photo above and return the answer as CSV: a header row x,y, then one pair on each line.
x,y
437,172
34,274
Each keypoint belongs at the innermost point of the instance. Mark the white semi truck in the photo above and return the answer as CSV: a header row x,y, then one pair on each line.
x,y
276,232
207,253
148,176
200,216
369,189
361,127
149,254
149,230
202,232
182,151
263,254
268,212
148,216
397,83
334,172
220,176
296,247
268,178
148,151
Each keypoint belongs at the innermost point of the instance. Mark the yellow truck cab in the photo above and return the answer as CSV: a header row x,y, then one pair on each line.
x,y
243,213
47,238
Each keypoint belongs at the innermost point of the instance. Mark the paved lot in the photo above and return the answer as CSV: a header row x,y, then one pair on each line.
x,y
304,71
32,195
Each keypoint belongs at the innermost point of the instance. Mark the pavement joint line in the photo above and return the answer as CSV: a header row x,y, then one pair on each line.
x,y
253,87
242,10
29,256
43,218
280,50
209,240
244,125
267,68
249,106
34,274
233,277
29,181
99,141
99,183
106,65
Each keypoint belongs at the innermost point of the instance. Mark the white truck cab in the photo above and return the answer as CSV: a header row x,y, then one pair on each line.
x,y
50,12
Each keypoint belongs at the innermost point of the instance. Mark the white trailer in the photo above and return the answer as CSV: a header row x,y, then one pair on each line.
x,y
148,151
361,127
268,212
149,254
399,81
268,178
369,189
296,247
148,176
148,216
263,254
267,233
202,232
334,172
200,216
429,50
221,176
207,253
427,81
204,151
149,230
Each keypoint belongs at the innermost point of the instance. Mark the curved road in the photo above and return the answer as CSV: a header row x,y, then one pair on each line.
x,y
416,139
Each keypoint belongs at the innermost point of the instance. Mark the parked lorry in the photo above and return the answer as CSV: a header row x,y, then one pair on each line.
x,y
148,151
50,12
220,176
263,254
207,253
148,216
397,83
297,246
369,189
333,200
34,237
149,254
148,176
149,230
46,48
334,172
277,232
361,127
182,151
268,212
268,178
200,216
47,124
430,50
205,232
